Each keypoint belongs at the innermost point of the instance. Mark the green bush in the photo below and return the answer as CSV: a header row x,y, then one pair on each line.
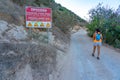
x,y
117,43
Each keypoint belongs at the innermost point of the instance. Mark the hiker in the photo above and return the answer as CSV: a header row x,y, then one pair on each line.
x,y
97,39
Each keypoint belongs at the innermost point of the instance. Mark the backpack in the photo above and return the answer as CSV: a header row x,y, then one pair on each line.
x,y
98,37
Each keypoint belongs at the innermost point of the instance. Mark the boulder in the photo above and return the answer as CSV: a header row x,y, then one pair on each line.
x,y
3,26
17,33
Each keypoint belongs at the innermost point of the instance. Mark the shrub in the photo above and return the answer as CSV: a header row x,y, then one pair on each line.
x,y
108,21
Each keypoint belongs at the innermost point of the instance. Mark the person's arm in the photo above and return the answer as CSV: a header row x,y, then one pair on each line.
x,y
101,37
94,36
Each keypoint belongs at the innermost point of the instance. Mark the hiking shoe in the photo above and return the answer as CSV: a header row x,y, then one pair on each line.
x,y
93,54
98,58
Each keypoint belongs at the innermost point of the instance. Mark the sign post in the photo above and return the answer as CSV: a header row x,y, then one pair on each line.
x,y
37,17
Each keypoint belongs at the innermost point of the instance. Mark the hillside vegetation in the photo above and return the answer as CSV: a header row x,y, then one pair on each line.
x,y
63,18
108,20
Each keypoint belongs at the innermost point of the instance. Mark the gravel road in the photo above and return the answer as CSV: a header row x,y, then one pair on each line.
x,y
80,65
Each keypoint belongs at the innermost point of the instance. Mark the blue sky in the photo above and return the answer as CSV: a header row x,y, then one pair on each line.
x,y
81,7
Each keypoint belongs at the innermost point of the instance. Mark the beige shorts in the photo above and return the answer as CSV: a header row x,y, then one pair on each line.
x,y
97,43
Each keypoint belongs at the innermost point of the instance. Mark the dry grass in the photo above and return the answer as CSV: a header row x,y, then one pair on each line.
x,y
41,58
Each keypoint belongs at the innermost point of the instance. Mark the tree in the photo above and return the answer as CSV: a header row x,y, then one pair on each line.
x,y
108,21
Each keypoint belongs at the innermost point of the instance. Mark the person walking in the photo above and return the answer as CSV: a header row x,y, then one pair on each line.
x,y
97,39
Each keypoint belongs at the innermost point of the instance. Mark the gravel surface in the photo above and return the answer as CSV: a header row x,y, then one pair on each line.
x,y
80,65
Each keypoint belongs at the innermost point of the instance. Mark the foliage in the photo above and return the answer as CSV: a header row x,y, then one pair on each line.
x,y
43,2
21,2
108,20
62,17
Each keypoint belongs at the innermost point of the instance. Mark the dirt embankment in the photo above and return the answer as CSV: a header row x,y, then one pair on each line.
x,y
21,56
25,58
15,57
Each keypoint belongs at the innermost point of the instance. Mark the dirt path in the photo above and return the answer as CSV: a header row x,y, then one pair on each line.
x,y
80,65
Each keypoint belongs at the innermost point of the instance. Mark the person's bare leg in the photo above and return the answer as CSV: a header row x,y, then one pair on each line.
x,y
98,48
94,49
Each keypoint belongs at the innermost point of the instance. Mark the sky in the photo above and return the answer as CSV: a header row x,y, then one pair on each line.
x,y
82,7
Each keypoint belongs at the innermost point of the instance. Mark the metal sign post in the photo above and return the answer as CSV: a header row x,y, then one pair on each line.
x,y
48,35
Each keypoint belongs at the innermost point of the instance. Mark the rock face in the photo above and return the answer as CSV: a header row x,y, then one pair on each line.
x,y
3,26
21,58
10,32
17,33
24,74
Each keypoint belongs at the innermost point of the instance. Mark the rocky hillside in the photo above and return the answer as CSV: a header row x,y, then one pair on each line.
x,y
63,19
25,54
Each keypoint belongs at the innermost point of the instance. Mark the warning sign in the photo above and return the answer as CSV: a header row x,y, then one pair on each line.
x,y
48,25
36,25
37,17
42,25
29,24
